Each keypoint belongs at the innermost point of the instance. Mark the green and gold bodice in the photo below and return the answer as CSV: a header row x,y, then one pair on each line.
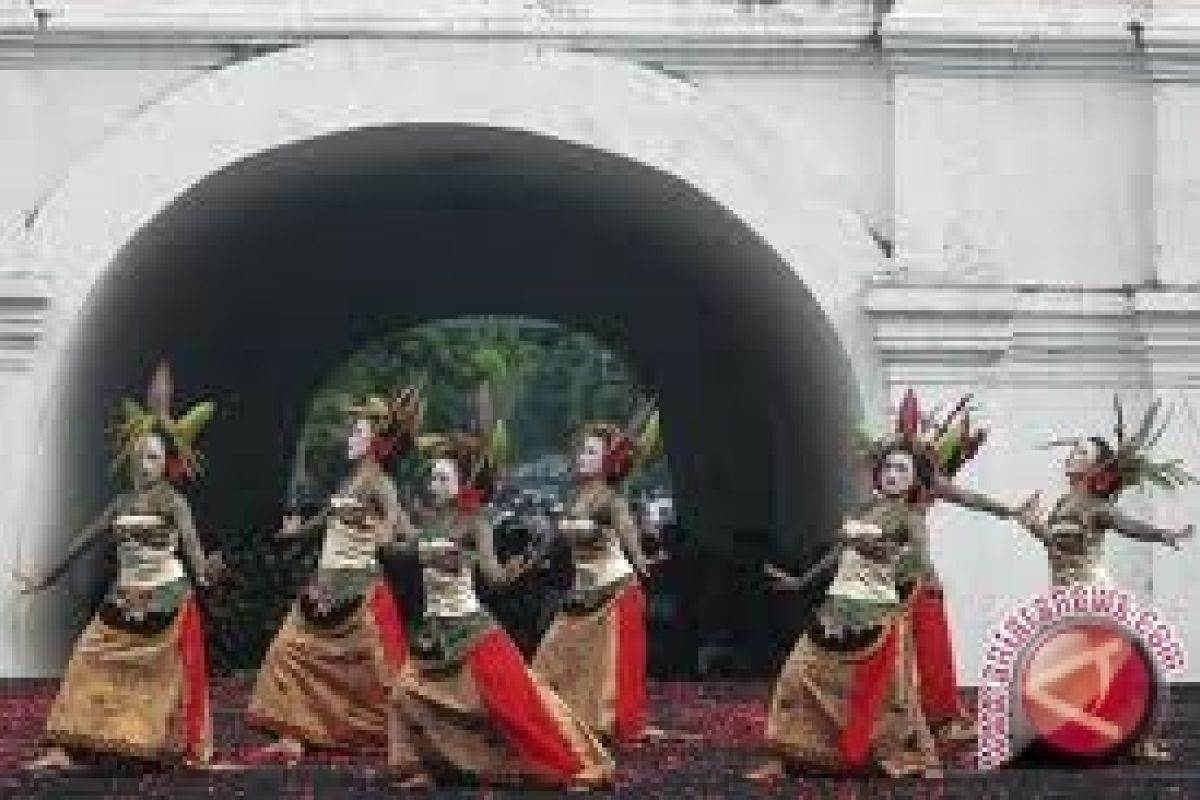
x,y
448,555
593,518
864,590
148,526
1074,540
348,544
453,619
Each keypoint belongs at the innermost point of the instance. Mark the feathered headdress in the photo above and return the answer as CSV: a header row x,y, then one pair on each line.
x,y
480,452
1128,463
396,421
949,443
628,448
136,422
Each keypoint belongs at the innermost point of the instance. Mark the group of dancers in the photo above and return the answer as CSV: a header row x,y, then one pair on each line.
x,y
363,660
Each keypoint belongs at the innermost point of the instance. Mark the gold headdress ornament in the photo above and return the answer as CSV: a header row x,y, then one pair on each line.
x,y
949,444
1130,464
480,453
136,422
397,416
628,448
396,421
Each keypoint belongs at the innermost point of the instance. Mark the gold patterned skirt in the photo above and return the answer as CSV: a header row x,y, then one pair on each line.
x,y
486,715
594,658
137,694
837,710
328,685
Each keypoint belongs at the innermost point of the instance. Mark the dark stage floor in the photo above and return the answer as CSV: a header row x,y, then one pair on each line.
x,y
729,715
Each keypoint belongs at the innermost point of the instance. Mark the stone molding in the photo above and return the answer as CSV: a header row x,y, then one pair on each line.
x,y
1099,37
954,333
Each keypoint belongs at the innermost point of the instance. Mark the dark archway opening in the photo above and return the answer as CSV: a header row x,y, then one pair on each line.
x,y
265,275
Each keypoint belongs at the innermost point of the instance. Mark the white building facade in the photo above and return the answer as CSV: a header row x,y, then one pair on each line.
x,y
995,196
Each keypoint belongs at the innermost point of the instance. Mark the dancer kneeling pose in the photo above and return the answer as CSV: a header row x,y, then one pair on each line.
x,y
466,702
949,444
325,678
848,697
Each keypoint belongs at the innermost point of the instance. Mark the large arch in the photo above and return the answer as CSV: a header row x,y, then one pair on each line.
x,y
327,157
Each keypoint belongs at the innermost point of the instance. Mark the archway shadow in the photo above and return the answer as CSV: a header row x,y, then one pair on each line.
x,y
265,275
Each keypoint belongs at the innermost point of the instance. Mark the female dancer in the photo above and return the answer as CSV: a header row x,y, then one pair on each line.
x,y
1073,532
594,653
848,694
1097,472
137,681
466,701
325,679
855,686
950,444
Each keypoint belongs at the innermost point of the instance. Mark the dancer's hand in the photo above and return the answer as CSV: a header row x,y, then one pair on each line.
x,y
215,569
867,539
290,526
780,581
660,557
1183,534
28,585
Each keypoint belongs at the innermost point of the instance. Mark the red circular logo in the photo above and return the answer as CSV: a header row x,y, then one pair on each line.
x,y
1088,689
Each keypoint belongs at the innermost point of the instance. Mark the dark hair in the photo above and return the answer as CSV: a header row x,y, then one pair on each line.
x,y
474,472
923,470
386,448
1104,451
1105,480
620,453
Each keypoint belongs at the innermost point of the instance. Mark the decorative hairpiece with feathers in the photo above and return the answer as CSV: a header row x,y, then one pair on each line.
x,y
628,448
399,417
480,452
950,443
1134,466
1130,465
136,422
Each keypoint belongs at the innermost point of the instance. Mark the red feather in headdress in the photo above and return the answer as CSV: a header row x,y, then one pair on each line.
x,y
908,419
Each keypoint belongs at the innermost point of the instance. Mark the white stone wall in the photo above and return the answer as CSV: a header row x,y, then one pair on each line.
x,y
1032,165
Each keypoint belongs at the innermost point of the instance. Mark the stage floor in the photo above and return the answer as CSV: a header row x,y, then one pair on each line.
x,y
728,715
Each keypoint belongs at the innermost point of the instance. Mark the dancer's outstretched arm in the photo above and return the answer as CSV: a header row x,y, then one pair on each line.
x,y
973,500
1141,531
294,527
93,533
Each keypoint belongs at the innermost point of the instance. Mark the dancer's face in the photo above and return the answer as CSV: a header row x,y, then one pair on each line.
x,y
443,480
1081,460
897,474
152,458
589,461
358,444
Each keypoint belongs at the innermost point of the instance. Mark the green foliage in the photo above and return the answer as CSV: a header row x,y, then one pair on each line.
x,y
544,379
